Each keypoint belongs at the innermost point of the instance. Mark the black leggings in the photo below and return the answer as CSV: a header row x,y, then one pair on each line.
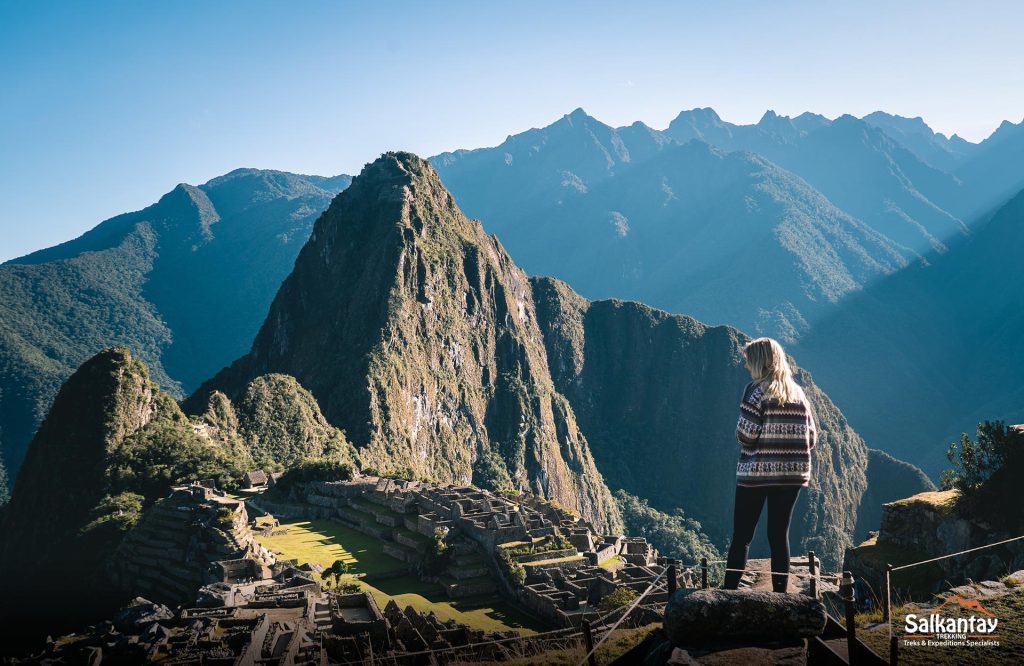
x,y
749,502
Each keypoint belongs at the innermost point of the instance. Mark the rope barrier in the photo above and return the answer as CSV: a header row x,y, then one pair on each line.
x,y
615,626
889,569
962,552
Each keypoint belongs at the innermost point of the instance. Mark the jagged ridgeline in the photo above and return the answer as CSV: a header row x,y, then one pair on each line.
x,y
418,336
114,443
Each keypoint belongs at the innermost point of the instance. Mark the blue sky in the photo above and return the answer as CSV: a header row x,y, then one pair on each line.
x,y
106,106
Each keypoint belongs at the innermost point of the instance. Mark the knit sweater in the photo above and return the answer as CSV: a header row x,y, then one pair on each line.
x,y
776,441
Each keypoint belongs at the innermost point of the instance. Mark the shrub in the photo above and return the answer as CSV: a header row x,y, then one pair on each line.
x,y
514,572
618,598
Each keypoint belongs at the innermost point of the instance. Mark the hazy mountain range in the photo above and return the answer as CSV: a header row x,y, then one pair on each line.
x,y
769,227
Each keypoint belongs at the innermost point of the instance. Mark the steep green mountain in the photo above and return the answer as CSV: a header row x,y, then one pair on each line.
x,y
857,166
931,351
112,444
110,438
185,283
657,396
724,237
417,334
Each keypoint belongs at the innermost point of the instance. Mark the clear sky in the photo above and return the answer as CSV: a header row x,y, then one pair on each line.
x,y
105,106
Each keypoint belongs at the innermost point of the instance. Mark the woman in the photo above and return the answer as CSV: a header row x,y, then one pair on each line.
x,y
776,433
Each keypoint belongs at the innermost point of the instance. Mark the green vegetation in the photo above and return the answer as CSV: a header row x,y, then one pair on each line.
x,y
987,472
490,471
281,424
187,310
438,554
164,453
514,572
674,535
315,469
620,596
324,542
555,542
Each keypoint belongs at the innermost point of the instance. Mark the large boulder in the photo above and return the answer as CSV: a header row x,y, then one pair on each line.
x,y
702,615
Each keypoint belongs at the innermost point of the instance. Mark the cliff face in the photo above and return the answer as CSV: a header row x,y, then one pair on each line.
x,y
658,394
418,336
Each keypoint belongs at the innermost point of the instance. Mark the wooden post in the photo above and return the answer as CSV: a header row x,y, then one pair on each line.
x,y
704,572
887,599
588,643
672,582
812,569
851,623
894,651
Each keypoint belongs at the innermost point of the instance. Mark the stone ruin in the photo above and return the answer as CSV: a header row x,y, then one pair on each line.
x,y
241,605
568,566
197,535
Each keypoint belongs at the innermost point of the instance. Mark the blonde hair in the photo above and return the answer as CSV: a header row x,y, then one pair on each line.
x,y
771,370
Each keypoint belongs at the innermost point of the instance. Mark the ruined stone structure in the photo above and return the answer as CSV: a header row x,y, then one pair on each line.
x,y
567,566
195,536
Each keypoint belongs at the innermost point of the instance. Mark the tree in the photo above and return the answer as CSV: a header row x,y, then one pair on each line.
x,y
337,570
987,473
325,576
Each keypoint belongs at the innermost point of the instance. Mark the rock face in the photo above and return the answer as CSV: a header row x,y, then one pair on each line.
x,y
703,615
418,336
658,394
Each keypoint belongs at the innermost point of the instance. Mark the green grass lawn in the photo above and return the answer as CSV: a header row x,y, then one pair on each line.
x,y
324,541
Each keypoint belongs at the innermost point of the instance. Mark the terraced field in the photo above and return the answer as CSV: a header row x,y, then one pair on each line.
x,y
324,541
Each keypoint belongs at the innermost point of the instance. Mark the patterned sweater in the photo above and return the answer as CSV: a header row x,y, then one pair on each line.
x,y
776,441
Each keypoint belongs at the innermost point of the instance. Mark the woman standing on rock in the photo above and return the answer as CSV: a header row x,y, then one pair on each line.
x,y
776,433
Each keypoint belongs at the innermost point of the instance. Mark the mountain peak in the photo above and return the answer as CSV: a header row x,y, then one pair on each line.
x,y
417,334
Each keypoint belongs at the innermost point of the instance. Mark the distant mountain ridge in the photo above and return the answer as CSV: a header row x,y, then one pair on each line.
x,y
939,340
630,213
184,283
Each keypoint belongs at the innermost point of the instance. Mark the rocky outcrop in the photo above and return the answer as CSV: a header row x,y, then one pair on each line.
x,y
418,336
696,615
657,396
925,526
